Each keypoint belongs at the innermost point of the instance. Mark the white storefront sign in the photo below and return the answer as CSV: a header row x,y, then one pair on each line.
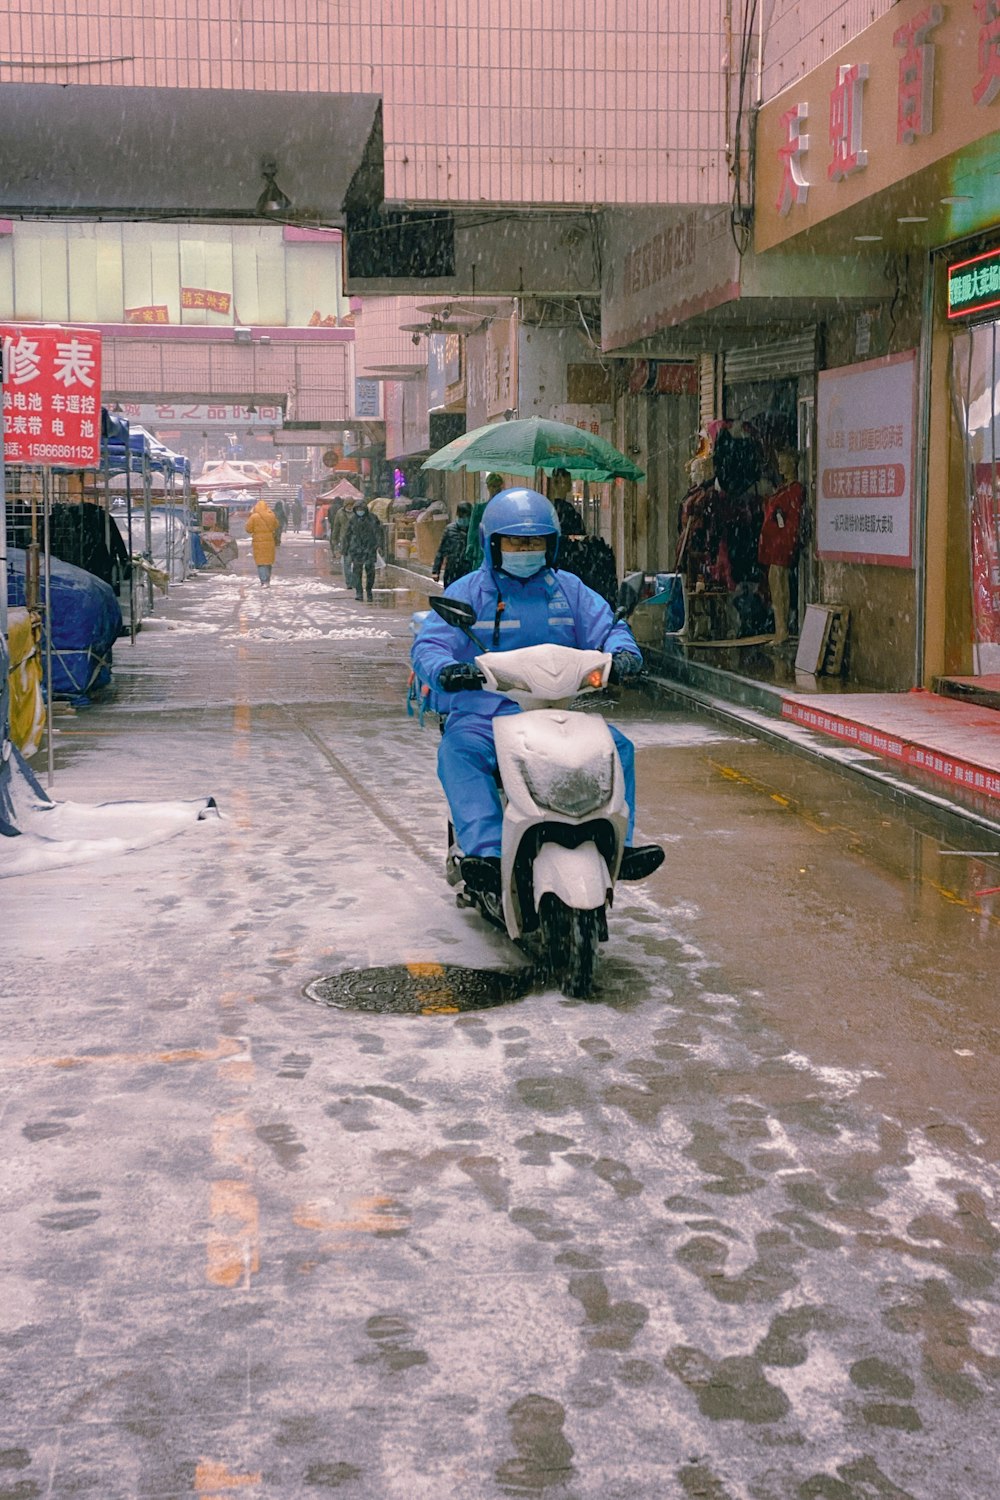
x,y
865,437
199,414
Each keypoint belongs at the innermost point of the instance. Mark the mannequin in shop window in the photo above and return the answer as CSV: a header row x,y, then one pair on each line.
x,y
694,520
738,468
779,538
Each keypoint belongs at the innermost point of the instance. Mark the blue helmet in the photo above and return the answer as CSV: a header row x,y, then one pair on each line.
x,y
519,512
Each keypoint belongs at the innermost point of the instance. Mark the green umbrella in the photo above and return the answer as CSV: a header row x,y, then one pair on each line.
x,y
531,443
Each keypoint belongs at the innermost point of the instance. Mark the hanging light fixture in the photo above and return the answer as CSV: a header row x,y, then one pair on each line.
x,y
272,203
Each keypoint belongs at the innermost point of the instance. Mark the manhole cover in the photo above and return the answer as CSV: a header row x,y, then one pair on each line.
x,y
420,989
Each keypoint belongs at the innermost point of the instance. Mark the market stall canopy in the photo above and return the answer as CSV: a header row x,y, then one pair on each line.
x,y
118,483
345,490
530,443
226,477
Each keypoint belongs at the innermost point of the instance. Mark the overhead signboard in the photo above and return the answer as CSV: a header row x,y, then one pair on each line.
x,y
974,285
51,396
864,447
910,90
200,414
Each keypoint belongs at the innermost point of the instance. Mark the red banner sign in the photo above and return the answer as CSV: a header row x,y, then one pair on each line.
x,y
158,313
52,396
199,297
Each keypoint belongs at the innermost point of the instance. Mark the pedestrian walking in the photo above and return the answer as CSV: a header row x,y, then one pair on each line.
x,y
338,532
262,528
297,510
451,552
281,515
362,544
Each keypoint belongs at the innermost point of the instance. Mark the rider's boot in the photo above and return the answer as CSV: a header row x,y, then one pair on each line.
x,y
638,863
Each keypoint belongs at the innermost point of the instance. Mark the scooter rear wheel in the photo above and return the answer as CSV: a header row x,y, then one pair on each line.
x,y
570,938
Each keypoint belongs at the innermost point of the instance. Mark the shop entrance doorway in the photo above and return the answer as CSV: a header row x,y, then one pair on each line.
x,y
975,378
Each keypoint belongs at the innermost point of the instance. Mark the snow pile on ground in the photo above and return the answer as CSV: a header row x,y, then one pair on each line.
x,y
71,833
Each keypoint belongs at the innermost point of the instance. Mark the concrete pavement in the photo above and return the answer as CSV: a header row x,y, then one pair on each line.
x,y
729,1230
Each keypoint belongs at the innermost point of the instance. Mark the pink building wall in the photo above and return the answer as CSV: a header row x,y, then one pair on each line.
x,y
800,34
379,340
313,373
493,101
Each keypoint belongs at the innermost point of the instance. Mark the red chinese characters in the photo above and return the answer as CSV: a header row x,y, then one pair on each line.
x,y
988,85
155,313
52,396
794,187
846,106
915,95
199,297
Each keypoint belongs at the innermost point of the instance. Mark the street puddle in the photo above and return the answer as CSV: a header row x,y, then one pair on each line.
x,y
420,989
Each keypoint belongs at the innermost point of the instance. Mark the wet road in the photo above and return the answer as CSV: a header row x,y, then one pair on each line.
x,y
728,1230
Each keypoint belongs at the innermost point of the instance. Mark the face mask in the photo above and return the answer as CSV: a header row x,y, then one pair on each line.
x,y
522,564
359,510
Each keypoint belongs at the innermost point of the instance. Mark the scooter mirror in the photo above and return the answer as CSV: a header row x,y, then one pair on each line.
x,y
453,611
628,595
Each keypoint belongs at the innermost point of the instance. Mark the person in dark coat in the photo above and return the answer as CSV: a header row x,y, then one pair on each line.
x,y
589,557
452,551
362,543
282,515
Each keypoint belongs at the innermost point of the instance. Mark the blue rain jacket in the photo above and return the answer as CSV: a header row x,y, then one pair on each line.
x,y
551,607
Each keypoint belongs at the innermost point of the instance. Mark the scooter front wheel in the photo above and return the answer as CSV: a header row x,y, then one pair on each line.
x,y
570,938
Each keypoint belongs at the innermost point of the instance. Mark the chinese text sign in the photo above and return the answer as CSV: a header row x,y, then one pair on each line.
x,y
865,432
52,396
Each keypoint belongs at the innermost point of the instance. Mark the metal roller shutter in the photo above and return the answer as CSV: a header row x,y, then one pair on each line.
x,y
794,356
706,389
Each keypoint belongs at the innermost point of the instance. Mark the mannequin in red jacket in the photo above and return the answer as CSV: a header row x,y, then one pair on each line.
x,y
779,538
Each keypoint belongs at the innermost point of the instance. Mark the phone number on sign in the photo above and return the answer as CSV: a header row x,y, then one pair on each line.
x,y
60,452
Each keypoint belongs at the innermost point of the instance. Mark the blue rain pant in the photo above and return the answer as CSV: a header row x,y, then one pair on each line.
x,y
467,760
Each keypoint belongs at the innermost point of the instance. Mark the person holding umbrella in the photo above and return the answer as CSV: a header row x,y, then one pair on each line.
x,y
474,547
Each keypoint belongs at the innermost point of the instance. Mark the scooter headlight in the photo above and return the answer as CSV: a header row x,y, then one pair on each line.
x,y
573,791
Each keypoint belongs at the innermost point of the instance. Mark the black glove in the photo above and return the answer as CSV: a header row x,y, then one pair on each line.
x,y
624,665
460,676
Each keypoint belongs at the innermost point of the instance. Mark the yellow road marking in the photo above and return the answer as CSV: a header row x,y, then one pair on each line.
x,y
369,1216
233,1246
227,1047
433,1002
210,1476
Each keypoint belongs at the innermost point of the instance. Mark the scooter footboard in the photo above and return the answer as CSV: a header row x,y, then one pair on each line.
x,y
579,877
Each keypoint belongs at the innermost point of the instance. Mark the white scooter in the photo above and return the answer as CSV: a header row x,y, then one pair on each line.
x,y
565,814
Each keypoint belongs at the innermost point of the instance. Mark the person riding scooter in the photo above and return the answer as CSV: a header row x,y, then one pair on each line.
x,y
520,599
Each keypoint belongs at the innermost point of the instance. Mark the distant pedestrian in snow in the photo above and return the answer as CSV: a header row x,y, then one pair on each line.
x,y
451,552
362,544
281,515
297,510
262,529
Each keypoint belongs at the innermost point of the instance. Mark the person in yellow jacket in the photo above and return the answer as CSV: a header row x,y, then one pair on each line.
x,y
262,529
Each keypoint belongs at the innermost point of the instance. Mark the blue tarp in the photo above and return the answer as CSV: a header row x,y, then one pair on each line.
x,y
86,622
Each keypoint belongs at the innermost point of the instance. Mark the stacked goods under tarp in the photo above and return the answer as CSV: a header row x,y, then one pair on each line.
x,y
18,787
24,677
86,621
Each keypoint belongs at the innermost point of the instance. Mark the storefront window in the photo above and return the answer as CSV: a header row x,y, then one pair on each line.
x,y
976,391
